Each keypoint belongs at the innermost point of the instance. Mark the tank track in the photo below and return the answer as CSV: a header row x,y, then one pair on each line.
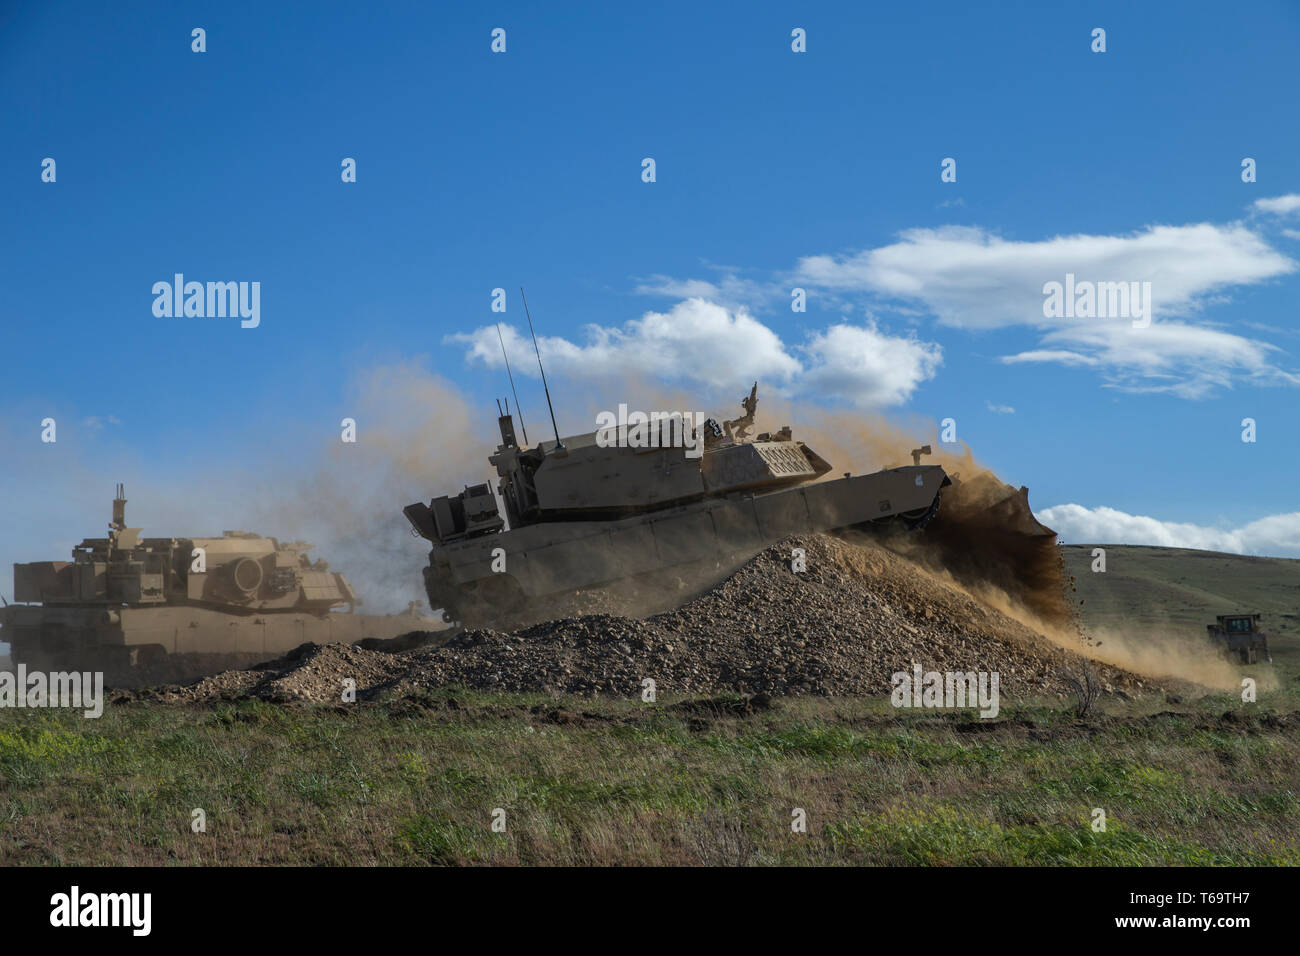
x,y
917,524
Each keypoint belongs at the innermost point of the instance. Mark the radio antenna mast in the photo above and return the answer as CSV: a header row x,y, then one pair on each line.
x,y
519,408
559,445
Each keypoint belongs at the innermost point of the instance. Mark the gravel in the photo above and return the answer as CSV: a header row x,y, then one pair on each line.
x,y
842,627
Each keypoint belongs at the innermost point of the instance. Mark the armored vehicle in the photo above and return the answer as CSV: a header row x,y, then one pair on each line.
x,y
182,606
1238,636
638,498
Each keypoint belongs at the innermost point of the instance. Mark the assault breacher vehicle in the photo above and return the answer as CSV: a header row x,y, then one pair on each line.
x,y
182,606
594,509
1238,636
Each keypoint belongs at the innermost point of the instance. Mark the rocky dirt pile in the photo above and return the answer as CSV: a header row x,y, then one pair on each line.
x,y
855,616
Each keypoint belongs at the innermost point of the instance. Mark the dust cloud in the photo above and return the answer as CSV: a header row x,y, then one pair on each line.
x,y
416,438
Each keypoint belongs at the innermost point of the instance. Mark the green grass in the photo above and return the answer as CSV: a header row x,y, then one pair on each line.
x,y
626,782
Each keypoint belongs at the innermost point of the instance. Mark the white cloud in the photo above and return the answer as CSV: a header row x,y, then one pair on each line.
x,y
1277,535
678,288
706,344
696,341
970,278
1060,356
1279,205
867,367
1184,360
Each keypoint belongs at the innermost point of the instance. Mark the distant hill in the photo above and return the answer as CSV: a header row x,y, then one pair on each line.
x,y
1180,589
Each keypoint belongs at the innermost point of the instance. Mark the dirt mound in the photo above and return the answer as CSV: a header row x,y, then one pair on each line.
x,y
855,616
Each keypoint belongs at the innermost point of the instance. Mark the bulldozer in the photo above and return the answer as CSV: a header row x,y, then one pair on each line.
x,y
1237,636
610,508
176,608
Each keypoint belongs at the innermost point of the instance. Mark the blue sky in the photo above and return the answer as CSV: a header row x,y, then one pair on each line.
x,y
774,170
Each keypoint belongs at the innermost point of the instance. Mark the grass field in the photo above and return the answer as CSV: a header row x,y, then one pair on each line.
x,y
1207,780
585,781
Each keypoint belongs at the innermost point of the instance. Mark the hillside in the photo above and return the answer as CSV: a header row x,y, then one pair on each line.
x,y
1181,590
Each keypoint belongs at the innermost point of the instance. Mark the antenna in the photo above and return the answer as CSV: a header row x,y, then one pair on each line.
x,y
519,408
119,509
559,445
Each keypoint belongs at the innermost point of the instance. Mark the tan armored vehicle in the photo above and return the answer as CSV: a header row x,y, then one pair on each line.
x,y
628,501
182,606
1238,636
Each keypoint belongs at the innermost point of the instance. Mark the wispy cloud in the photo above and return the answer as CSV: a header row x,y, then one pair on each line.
x,y
1279,205
971,278
96,423
728,289
1188,361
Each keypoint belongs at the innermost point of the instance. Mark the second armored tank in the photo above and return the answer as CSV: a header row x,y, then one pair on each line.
x,y
180,607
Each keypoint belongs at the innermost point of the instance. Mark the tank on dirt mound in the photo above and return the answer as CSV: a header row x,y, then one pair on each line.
x,y
640,499
175,607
